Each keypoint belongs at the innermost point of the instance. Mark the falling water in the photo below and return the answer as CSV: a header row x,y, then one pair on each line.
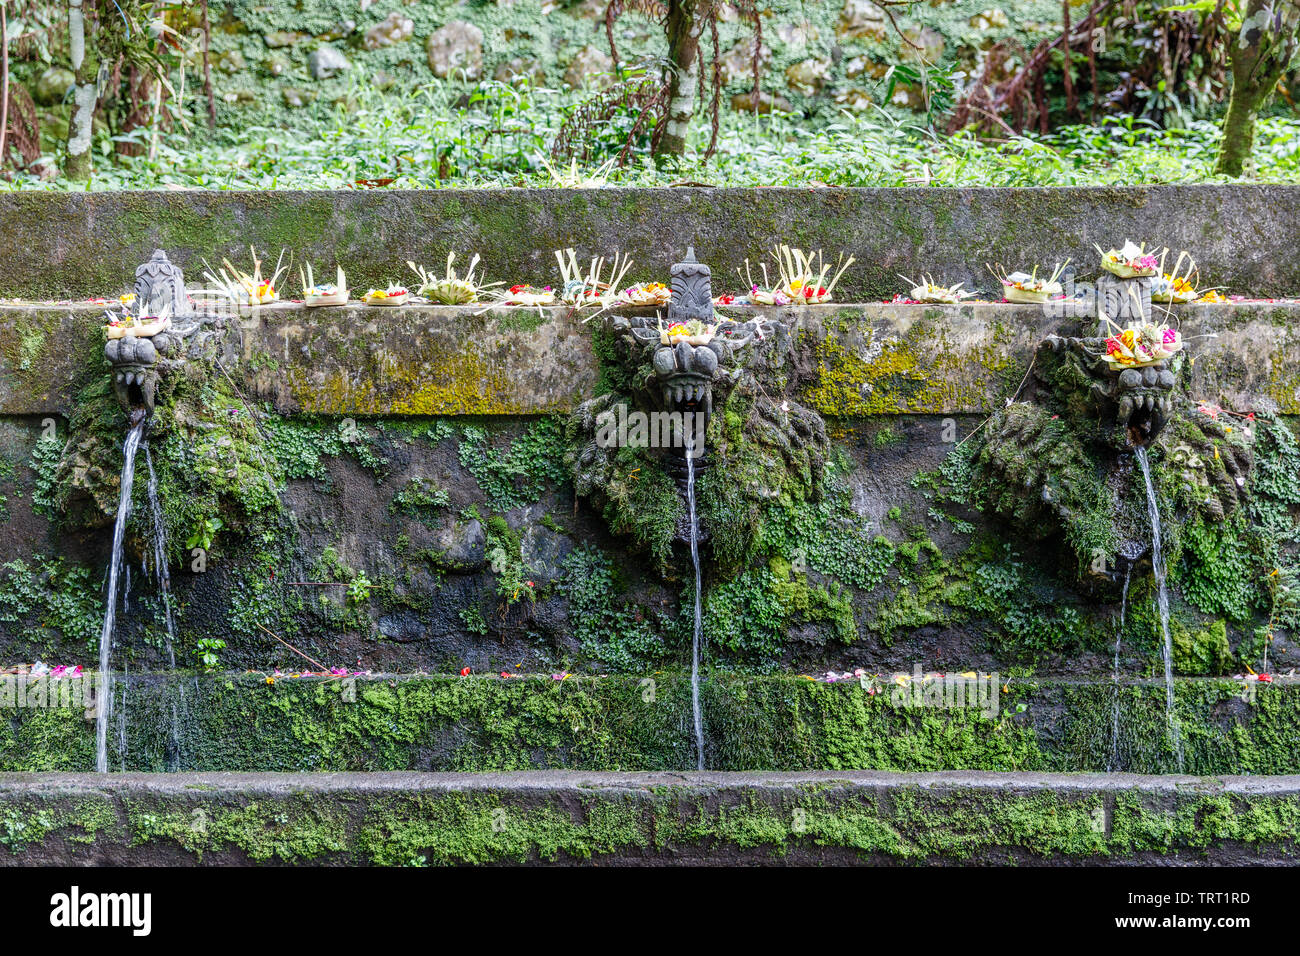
x,y
160,557
1114,675
129,448
1162,604
699,624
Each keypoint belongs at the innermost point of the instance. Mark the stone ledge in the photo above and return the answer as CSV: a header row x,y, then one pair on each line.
x,y
657,818
872,358
84,244
587,723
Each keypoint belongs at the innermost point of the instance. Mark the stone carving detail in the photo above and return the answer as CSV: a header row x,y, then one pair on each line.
x,y
1124,300
1139,399
160,287
692,287
139,360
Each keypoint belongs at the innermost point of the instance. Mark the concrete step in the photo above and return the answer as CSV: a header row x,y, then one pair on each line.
x,y
404,819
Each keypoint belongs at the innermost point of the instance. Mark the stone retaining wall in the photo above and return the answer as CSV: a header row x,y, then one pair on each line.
x,y
871,359
1241,236
604,818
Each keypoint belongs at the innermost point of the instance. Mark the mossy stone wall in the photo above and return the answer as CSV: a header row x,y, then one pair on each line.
x,y
1232,231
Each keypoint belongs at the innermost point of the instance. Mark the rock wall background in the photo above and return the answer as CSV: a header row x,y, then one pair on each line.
x,y
281,62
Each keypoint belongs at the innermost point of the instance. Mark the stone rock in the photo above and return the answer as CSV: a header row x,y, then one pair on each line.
x,y
767,103
296,98
232,61
929,44
853,99
796,34
586,68
993,19
738,62
340,30
808,76
325,62
239,97
519,68
394,29
283,38
586,10
865,66
277,64
861,19
455,51
462,546
53,85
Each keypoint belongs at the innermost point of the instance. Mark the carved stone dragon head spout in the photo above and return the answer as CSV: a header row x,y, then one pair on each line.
x,y
694,350
1141,400
163,333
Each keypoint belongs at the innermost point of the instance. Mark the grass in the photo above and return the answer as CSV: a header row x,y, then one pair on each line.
x,y
499,136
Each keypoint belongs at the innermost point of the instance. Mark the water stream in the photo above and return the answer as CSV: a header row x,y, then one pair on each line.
x,y
160,558
129,449
1114,675
699,620
1162,605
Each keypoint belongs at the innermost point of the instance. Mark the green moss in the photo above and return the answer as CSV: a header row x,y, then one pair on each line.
x,y
53,602
609,629
516,474
421,499
245,723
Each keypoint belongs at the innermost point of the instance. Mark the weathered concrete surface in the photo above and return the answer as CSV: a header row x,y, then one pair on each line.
x,y
82,244
425,360
659,818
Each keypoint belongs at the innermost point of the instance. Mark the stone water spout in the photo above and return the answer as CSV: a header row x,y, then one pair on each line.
x,y
673,373
1062,460
1141,400
688,361
168,333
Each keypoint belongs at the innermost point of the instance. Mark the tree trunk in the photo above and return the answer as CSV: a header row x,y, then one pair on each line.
x,y
85,95
683,54
1238,131
1259,54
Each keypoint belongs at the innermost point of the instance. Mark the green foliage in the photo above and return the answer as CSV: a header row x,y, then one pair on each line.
x,y
1220,574
45,465
473,619
1201,652
301,446
359,589
1245,566
828,536
504,554
608,631
206,650
53,594
516,475
204,531
420,499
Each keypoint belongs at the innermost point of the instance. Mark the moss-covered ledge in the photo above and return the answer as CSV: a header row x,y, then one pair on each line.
x,y
248,722
565,817
869,359
78,244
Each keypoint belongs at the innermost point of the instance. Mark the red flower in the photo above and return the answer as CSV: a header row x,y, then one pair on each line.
x,y
518,288
1266,678
505,674
464,672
